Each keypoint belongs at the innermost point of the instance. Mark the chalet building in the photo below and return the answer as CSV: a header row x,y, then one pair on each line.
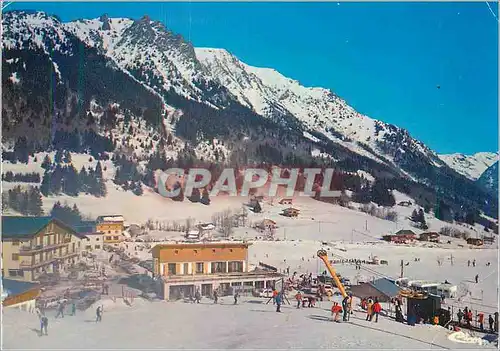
x,y
32,246
185,268
267,224
291,212
429,236
475,241
286,202
111,227
94,239
401,237
383,289
19,294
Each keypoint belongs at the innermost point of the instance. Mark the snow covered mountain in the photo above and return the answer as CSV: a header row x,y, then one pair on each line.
x,y
139,69
471,166
164,61
489,179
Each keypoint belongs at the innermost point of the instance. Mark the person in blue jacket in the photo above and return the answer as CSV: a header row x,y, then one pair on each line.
x,y
279,299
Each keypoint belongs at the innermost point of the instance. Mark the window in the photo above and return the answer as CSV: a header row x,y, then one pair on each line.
x,y
199,267
98,247
15,257
235,266
116,231
16,273
96,239
171,269
186,268
219,267
176,252
115,237
15,243
88,247
109,231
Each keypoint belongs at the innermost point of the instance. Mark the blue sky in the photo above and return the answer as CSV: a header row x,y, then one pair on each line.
x,y
385,59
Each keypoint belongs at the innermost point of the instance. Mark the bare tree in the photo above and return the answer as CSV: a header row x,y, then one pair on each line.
x,y
189,224
227,223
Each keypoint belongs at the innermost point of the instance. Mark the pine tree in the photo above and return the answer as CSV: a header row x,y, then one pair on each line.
x,y
58,157
195,195
47,162
45,187
35,203
98,170
205,199
257,208
414,216
67,156
83,180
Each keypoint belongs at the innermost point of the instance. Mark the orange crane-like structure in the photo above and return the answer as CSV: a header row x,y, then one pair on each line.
x,y
323,255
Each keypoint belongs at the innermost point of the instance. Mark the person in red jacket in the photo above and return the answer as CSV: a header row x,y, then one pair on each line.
x,y
377,308
336,309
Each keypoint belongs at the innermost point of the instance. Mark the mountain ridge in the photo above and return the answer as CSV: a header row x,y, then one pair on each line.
x,y
200,94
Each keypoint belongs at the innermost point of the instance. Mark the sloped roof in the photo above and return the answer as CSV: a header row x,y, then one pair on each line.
x,y
386,287
19,226
16,287
405,232
85,227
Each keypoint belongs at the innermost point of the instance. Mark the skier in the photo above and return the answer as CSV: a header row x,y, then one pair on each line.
x,y
278,302
369,306
480,319
197,296
236,298
474,263
469,318
60,310
298,297
345,308
98,313
468,263
275,294
477,278
44,322
460,315
336,309
216,298
377,308
73,309
491,321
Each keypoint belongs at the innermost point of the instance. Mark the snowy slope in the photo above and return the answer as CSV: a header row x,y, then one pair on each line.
x,y
268,93
489,179
471,166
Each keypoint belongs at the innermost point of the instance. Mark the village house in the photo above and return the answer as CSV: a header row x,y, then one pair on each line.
x,y
291,212
475,241
94,239
266,224
185,268
429,236
401,237
20,294
32,246
111,227
286,202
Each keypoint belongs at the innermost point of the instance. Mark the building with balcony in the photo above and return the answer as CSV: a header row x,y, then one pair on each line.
x,y
32,246
185,268
94,239
111,227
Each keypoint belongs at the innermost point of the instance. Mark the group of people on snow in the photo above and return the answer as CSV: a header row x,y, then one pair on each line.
x,y
372,307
